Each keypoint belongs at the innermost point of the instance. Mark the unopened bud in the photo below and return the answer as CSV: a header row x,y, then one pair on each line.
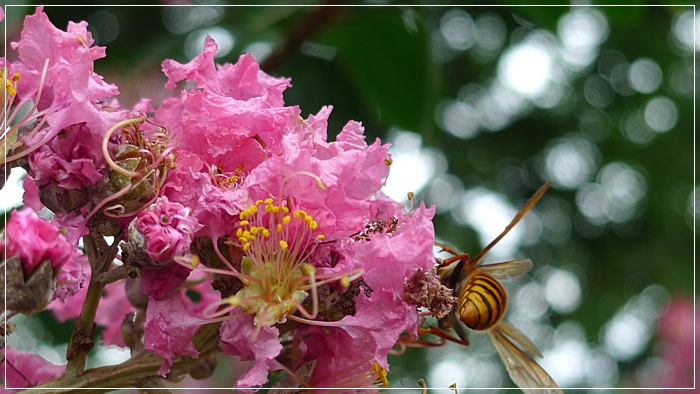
x,y
31,295
134,294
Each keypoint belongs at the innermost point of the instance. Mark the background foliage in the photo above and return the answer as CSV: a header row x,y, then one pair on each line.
x,y
438,87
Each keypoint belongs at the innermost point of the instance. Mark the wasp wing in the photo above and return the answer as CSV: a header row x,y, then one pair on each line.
x,y
524,371
513,332
507,269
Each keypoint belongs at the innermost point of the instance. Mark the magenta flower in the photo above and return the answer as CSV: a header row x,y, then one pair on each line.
x,y
72,160
168,330
234,117
236,340
54,77
34,240
167,228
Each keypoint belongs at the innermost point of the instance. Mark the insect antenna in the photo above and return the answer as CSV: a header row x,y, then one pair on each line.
x,y
525,209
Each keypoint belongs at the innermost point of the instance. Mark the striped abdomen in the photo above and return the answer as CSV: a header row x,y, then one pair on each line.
x,y
482,302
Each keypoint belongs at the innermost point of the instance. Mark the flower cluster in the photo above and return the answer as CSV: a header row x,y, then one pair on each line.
x,y
222,192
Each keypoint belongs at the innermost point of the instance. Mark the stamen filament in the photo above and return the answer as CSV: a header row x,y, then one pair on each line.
x,y
108,157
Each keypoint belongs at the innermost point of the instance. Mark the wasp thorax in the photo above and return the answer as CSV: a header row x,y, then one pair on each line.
x,y
483,303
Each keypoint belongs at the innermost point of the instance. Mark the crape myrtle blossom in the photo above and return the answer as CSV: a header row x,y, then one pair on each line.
x,y
297,195
42,262
230,209
35,240
54,78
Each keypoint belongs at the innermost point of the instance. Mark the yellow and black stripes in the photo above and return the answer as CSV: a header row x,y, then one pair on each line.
x,y
483,302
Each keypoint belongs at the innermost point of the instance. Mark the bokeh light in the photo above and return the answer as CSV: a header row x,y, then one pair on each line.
x,y
661,114
571,161
645,75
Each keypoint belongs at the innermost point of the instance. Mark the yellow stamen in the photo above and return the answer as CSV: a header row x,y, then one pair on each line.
x,y
381,374
194,261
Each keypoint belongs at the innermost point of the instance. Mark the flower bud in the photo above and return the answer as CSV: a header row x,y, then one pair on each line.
x,y
30,295
61,200
134,294
34,240
143,189
203,368
164,230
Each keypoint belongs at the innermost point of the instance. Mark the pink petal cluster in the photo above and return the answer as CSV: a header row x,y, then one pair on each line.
x,y
234,120
168,229
168,330
35,240
71,89
72,159
289,209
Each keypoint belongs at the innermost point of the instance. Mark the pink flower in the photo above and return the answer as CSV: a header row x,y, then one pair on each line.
x,y
71,279
168,330
191,185
35,240
168,229
55,78
332,183
234,117
26,369
381,315
71,88
73,159
236,337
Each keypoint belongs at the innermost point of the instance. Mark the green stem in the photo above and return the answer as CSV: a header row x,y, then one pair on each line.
x,y
130,372
100,256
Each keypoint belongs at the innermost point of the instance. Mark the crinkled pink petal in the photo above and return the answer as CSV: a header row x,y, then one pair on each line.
x,y
379,320
190,185
201,69
71,279
41,40
241,81
34,240
167,228
168,330
338,357
236,340
66,307
31,194
72,224
221,129
27,369
73,159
